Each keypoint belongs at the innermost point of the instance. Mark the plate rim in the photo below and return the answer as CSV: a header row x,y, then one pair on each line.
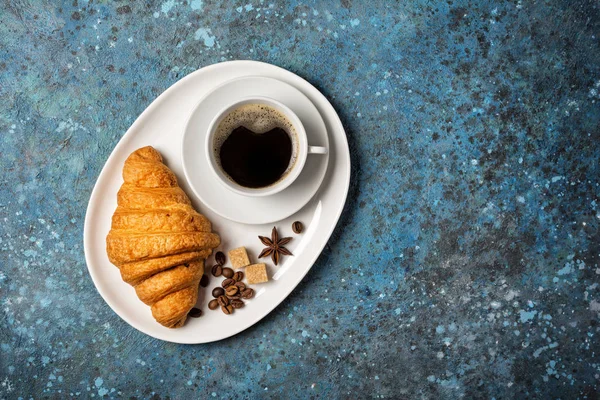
x,y
95,194
186,133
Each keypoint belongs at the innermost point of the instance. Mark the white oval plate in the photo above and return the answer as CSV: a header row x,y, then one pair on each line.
x,y
161,125
233,206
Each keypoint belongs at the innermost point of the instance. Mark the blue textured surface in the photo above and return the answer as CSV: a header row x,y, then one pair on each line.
x,y
466,262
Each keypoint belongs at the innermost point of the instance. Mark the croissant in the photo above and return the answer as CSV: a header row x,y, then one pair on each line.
x,y
157,240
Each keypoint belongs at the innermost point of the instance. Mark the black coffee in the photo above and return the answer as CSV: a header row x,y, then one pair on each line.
x,y
254,145
256,160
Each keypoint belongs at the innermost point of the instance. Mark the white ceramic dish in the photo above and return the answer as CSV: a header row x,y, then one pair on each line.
x,y
237,207
161,125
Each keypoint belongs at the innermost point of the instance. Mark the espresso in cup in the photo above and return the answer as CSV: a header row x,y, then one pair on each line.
x,y
255,145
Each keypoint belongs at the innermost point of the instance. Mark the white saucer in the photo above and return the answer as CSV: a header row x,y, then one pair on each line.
x,y
236,207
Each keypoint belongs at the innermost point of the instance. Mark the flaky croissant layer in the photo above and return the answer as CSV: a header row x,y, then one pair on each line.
x,y
157,239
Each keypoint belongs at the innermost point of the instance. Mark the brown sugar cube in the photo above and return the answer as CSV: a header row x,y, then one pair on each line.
x,y
239,257
256,273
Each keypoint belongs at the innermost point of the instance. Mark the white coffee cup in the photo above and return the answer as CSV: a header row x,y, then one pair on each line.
x,y
299,141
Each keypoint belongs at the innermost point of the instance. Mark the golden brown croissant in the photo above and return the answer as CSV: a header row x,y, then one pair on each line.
x,y
157,239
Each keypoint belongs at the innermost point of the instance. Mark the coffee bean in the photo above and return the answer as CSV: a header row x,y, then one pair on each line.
x,y
195,312
238,276
227,309
220,258
227,272
237,303
227,282
223,301
204,281
216,292
297,227
231,290
213,304
240,285
217,270
248,293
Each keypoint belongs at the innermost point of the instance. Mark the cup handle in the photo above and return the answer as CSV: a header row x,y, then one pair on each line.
x,y
317,150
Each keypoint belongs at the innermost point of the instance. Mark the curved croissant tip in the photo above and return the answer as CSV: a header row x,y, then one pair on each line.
x,y
146,153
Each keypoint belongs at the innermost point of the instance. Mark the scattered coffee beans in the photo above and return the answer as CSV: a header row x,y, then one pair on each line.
x,y
237,303
217,292
220,258
229,296
195,312
213,304
231,290
227,282
297,227
217,270
227,309
204,281
223,301
238,276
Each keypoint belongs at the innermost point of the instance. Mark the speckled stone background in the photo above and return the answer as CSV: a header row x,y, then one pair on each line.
x,y
465,265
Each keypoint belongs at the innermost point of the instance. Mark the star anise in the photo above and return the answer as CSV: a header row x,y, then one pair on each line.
x,y
275,246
